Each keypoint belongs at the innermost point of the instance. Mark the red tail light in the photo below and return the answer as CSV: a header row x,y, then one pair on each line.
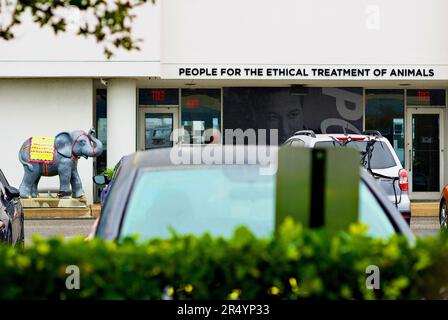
x,y
403,182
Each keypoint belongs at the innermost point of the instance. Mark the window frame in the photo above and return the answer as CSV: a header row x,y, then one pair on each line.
x,y
220,142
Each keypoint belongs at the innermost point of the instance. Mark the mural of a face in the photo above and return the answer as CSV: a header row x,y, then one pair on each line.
x,y
321,110
283,111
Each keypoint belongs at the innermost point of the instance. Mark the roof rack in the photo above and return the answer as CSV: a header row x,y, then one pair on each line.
x,y
375,133
305,133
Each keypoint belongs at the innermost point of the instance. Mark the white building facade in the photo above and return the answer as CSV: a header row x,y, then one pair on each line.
x,y
213,64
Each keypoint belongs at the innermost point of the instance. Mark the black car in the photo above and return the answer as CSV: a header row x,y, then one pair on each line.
x,y
11,214
150,194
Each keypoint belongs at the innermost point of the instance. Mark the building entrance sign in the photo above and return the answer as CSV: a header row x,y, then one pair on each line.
x,y
303,72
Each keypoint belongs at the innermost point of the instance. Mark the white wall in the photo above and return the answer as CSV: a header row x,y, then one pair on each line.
x,y
38,52
43,107
234,32
121,119
305,32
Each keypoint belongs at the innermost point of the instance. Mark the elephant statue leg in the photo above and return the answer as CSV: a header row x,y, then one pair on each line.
x,y
77,190
64,183
29,178
34,190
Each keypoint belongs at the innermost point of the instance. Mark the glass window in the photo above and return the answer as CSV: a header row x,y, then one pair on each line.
x,y
201,111
101,131
201,200
101,125
158,128
297,143
425,97
158,97
425,152
385,113
322,109
372,214
217,200
381,155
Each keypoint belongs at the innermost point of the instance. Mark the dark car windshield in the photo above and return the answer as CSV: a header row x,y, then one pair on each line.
x,y
217,200
381,156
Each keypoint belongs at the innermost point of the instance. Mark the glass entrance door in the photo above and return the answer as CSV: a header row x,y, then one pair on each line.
x,y
425,152
156,126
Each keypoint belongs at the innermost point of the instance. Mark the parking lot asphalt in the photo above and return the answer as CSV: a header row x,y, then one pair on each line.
x,y
68,228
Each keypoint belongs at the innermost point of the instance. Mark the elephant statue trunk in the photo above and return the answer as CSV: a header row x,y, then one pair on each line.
x,y
96,144
51,156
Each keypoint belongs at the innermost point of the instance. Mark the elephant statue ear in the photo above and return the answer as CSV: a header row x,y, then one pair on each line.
x,y
63,143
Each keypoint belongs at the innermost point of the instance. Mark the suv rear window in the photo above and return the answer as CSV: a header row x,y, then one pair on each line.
x,y
381,157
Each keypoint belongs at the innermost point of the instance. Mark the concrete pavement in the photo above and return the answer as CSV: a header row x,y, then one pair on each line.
x,y
425,226
68,228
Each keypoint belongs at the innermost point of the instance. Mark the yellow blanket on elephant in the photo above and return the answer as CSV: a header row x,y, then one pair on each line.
x,y
42,149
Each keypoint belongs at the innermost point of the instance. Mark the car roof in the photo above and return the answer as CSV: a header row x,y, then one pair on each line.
x,y
310,139
189,154
329,136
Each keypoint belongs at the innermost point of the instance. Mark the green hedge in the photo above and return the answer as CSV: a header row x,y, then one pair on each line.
x,y
295,264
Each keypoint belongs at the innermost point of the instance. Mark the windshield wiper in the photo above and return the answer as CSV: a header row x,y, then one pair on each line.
x,y
368,154
341,144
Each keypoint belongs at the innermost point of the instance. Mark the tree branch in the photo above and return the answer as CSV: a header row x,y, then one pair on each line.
x,y
108,21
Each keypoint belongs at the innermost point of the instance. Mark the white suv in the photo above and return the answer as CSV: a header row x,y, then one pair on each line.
x,y
377,156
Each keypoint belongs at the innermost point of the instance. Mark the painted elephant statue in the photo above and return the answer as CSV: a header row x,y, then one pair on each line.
x,y
51,156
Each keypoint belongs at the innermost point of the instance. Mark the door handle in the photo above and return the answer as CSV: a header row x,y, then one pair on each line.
x,y
410,160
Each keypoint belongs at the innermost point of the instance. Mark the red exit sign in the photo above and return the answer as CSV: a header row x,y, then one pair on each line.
x,y
423,96
192,103
158,95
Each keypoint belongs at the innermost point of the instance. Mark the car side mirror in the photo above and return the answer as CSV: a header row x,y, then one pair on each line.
x,y
11,193
100,180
